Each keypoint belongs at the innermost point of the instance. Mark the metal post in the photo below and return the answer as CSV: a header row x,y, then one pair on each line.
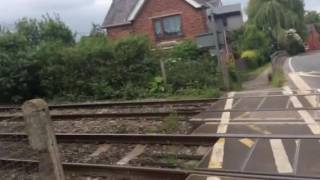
x,y
42,139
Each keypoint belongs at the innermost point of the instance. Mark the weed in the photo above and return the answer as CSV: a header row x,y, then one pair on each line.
x,y
170,123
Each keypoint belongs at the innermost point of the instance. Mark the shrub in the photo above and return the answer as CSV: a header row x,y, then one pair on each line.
x,y
251,57
170,123
42,59
293,43
186,50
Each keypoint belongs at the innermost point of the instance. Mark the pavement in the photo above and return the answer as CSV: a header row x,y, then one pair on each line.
x,y
251,116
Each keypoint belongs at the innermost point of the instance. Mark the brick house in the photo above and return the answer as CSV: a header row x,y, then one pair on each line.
x,y
166,22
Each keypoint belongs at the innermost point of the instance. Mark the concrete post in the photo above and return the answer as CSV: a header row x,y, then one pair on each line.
x,y
42,139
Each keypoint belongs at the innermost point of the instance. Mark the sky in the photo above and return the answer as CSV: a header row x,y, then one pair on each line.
x,y
77,14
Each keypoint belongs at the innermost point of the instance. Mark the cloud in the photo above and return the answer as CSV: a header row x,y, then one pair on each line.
x,y
312,5
40,5
78,14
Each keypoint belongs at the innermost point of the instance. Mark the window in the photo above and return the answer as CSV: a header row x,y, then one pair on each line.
x,y
168,26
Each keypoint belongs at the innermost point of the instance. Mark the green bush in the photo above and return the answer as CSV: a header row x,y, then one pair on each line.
x,y
186,50
251,57
293,43
42,59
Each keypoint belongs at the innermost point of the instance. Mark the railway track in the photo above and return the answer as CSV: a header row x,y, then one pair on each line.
x,y
59,117
122,172
125,138
173,104
141,173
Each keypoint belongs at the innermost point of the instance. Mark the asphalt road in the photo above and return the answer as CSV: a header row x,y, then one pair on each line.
x,y
271,156
307,66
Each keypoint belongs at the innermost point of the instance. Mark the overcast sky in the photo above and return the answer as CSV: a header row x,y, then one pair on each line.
x,y
78,14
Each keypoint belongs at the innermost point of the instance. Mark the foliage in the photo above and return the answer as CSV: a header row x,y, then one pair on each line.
x,y
170,123
41,59
251,57
187,50
293,43
188,68
251,41
274,16
313,17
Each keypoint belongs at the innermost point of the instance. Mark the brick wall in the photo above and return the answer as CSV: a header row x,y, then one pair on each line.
x,y
193,20
119,31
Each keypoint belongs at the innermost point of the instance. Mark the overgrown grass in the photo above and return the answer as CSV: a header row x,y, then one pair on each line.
x,y
278,79
170,124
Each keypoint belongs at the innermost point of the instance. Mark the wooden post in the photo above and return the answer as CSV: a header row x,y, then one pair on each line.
x,y
163,70
41,138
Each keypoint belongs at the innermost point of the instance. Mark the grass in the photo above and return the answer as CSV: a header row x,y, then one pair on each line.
x,y
170,123
278,79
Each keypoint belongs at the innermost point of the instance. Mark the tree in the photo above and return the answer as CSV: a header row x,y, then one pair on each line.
x,y
29,29
53,29
313,17
275,16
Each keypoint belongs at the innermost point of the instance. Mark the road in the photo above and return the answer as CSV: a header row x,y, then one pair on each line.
x,y
271,156
307,67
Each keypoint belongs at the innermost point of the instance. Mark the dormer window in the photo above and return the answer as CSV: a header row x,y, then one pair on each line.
x,y
169,26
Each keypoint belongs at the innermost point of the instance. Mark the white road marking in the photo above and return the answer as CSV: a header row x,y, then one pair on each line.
x,y
226,115
300,83
303,86
246,119
279,153
280,156
263,123
213,178
291,66
308,74
312,124
216,159
261,103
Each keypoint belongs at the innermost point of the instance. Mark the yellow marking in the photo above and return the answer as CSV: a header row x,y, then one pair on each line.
x,y
216,159
260,130
247,142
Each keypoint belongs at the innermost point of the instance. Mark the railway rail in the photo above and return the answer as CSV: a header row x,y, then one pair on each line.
x,y
142,173
80,116
123,104
152,173
190,102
